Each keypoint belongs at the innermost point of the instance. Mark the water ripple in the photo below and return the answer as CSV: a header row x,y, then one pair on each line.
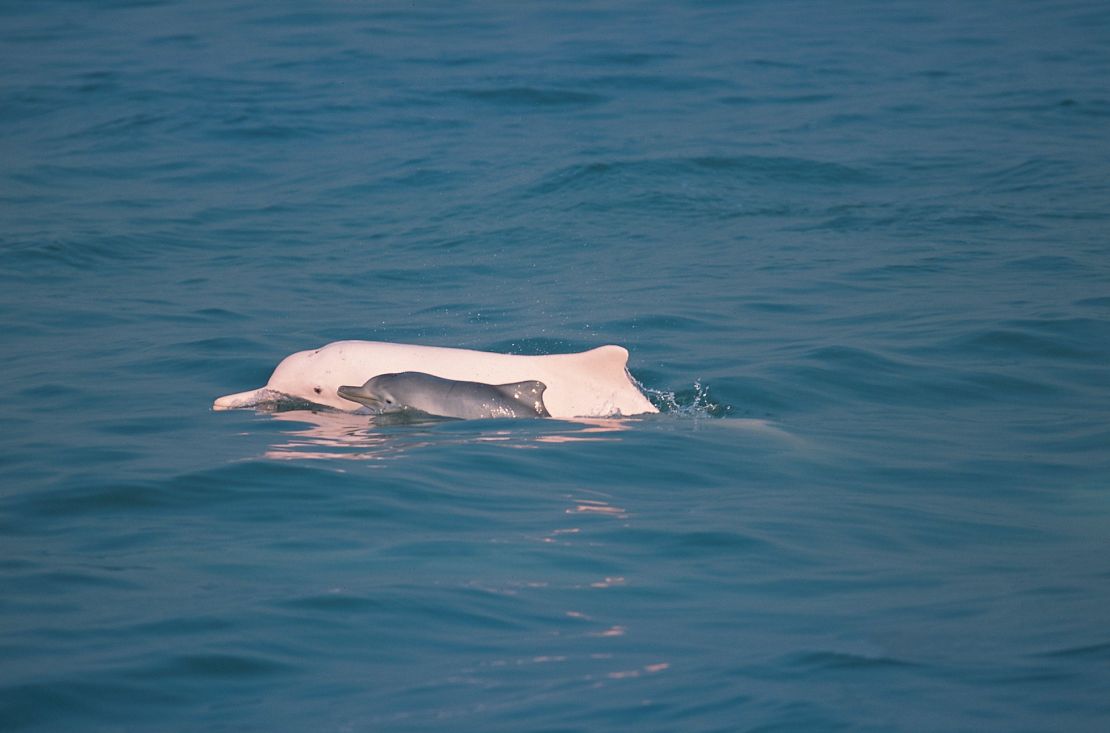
x,y
532,97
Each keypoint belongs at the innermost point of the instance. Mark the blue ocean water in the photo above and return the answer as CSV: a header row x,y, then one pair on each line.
x,y
858,251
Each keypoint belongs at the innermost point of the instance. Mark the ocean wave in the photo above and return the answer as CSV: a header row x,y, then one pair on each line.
x,y
748,169
523,97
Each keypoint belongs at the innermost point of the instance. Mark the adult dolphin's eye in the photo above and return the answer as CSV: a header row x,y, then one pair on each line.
x,y
317,390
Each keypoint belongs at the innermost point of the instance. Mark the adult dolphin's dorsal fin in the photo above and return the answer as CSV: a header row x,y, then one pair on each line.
x,y
609,354
529,392
608,360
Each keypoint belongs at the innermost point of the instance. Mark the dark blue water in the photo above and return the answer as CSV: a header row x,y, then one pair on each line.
x,y
860,255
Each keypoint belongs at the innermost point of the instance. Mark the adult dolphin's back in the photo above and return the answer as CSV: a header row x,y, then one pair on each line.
x,y
587,384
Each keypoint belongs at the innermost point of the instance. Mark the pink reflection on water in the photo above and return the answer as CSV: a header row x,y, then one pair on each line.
x,y
648,669
607,583
592,506
588,426
336,435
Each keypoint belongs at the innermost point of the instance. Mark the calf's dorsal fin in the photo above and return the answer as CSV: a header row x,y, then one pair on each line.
x,y
529,392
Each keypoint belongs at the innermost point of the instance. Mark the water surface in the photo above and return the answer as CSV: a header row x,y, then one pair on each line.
x,y
858,254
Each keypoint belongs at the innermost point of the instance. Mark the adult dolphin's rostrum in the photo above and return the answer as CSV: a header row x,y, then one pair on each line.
x,y
592,383
390,393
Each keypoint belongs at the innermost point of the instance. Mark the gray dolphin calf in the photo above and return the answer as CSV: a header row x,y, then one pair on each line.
x,y
448,397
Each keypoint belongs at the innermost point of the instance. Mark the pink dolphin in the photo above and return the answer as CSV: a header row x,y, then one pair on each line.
x,y
592,383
